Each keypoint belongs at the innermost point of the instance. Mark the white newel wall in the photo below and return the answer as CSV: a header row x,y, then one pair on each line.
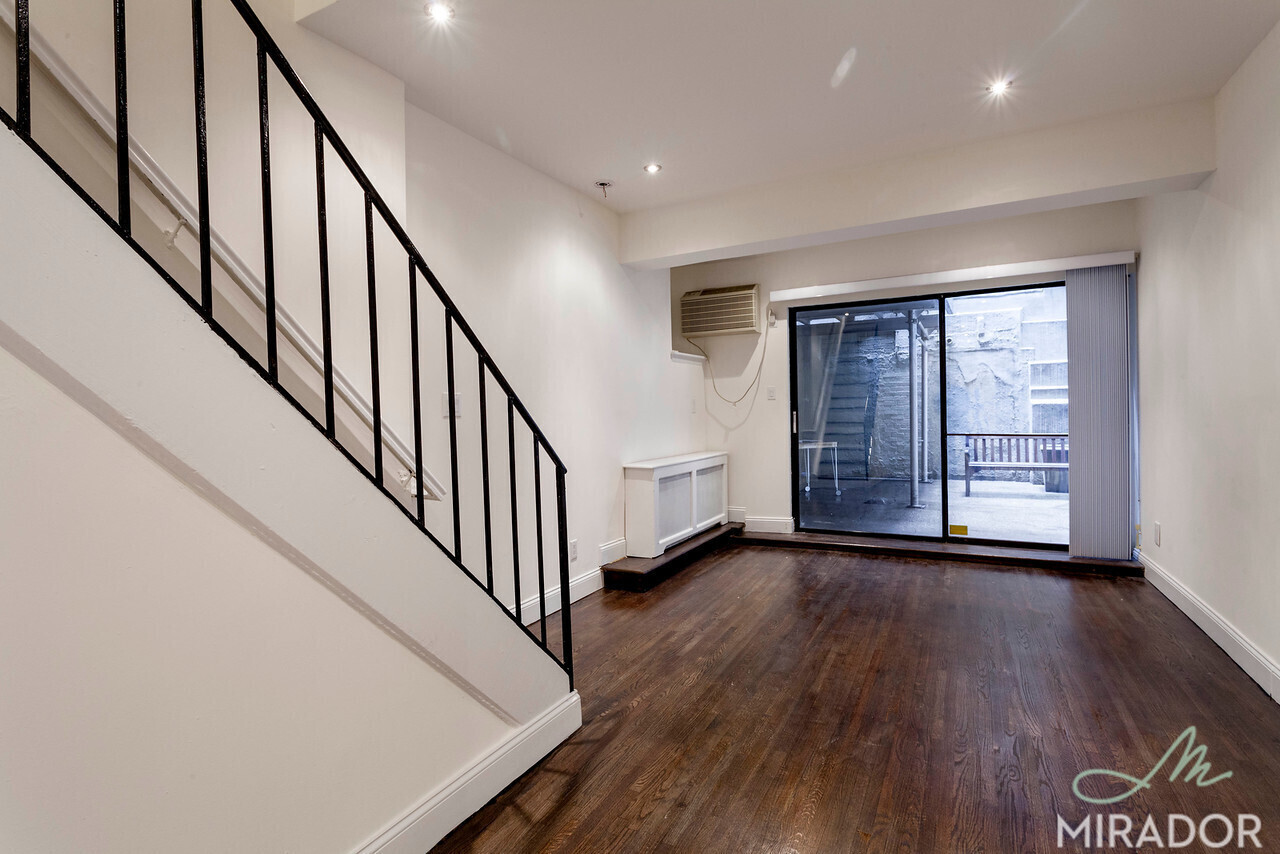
x,y
166,666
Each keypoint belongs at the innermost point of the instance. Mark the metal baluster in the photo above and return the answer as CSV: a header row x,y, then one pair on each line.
x,y
416,369
484,476
453,435
326,314
374,374
202,159
566,621
22,35
123,218
537,515
515,518
268,233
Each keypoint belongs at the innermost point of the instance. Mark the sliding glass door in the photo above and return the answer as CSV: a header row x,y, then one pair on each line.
x,y
867,444
943,417
1007,424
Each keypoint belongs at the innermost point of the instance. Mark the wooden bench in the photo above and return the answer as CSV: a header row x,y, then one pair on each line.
x,y
1013,452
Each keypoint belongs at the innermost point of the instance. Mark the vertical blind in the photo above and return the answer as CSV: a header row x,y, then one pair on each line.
x,y
1101,515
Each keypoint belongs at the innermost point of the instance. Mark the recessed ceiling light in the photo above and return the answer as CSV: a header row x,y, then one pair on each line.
x,y
653,168
999,87
440,12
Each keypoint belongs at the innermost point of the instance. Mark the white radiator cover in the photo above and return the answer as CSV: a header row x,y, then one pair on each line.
x,y
672,498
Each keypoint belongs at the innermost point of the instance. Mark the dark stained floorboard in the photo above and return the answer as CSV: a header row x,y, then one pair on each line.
x,y
787,700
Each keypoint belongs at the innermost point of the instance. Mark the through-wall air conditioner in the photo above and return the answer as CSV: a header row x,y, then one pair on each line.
x,y
720,311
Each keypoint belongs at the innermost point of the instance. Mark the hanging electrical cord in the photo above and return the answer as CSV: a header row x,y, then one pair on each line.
x,y
759,370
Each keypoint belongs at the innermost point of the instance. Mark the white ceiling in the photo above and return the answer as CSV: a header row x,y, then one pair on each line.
x,y
731,93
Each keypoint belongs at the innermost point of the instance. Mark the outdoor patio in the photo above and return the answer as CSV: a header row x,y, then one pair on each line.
x,y
997,509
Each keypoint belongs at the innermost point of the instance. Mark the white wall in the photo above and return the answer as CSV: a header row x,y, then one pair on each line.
x,y
756,431
585,342
174,684
1209,293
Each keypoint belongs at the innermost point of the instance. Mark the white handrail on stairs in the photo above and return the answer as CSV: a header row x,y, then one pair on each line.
x,y
249,283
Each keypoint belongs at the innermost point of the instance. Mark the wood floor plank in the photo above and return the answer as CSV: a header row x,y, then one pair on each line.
x,y
791,700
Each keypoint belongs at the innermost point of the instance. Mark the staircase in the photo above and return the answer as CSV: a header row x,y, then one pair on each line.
x,y
851,408
506,501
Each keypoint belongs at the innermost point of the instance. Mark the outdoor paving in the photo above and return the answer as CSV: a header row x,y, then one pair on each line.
x,y
1000,510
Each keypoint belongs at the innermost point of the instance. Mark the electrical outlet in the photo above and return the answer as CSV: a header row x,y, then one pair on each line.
x,y
1157,528
573,550
772,392
444,404
693,406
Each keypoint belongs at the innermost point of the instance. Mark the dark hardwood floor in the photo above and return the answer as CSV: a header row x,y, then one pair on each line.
x,y
770,700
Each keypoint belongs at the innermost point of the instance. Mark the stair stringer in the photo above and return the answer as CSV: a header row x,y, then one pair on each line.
x,y
87,312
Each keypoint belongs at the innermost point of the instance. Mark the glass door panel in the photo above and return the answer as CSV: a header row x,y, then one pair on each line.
x,y
867,398
1007,424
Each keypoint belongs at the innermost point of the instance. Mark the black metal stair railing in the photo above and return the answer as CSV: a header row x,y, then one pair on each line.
x,y
269,56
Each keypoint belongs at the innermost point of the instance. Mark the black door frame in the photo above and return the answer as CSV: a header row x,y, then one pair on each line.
x,y
945,535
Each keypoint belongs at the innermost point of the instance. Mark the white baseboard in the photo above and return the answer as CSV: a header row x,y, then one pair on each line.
x,y
583,585
1260,667
613,550
771,524
737,514
457,800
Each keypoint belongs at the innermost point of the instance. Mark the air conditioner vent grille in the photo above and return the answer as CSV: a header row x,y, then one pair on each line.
x,y
720,311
